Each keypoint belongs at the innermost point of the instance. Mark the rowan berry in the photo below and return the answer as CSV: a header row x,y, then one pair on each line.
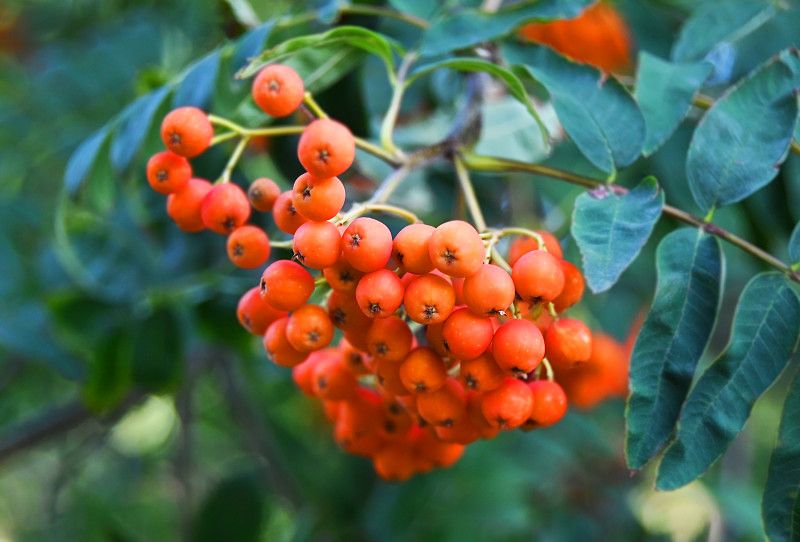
x,y
326,148
395,462
367,244
466,334
345,313
342,277
353,358
410,249
184,206
168,172
508,406
279,350
316,244
366,445
429,299
302,373
255,314
489,291
423,371
442,454
538,277
285,215
397,422
248,247
568,342
309,328
387,374
225,208
445,405
390,339
362,412
523,245
435,338
462,432
549,403
286,285
475,414
318,199
379,294
278,90
263,193
481,373
518,346
187,131
573,287
456,249
333,381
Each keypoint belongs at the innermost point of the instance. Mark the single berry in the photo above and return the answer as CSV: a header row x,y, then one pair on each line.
x,y
285,215
481,373
518,346
278,90
316,244
187,131
379,294
423,371
573,287
225,208
549,403
367,244
342,276
429,299
410,249
538,277
309,328
255,314
390,339
286,285
263,193
456,249
525,244
318,199
279,350
568,343
184,205
326,148
248,247
490,291
466,334
444,406
508,406
168,172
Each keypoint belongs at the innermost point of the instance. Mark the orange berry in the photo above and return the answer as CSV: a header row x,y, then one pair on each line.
x,y
523,245
168,172
423,371
255,314
353,357
279,350
225,208
302,373
332,380
429,299
573,287
489,291
285,215
248,247
278,90
262,194
456,249
346,314
318,199
538,277
342,276
286,285
444,406
549,403
395,462
410,249
467,335
184,205
568,343
518,346
187,131
481,374
326,148
387,374
316,244
367,244
508,406
379,294
309,328
390,339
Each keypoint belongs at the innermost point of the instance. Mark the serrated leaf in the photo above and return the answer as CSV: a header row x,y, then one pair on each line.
x,y
741,141
360,38
233,510
197,87
467,27
610,229
599,115
780,507
133,127
157,358
82,160
794,244
672,339
508,132
766,328
515,86
717,22
665,92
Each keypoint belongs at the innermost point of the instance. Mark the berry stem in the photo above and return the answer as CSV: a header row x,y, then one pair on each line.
x,y
551,308
389,185
522,231
282,244
488,163
379,152
469,193
389,120
548,370
233,160
223,137
363,208
499,260
309,101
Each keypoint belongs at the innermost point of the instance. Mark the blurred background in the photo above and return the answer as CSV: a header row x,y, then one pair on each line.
x,y
134,407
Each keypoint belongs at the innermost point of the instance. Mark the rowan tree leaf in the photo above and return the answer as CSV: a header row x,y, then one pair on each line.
x,y
743,139
610,229
664,92
596,111
673,337
766,330
133,127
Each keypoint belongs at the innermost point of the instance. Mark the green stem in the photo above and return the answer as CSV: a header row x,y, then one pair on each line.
x,y
282,244
469,193
389,185
491,164
499,260
390,119
522,231
362,9
223,137
309,101
379,152
234,159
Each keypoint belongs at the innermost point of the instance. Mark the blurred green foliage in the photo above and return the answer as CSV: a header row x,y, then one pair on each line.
x,y
101,297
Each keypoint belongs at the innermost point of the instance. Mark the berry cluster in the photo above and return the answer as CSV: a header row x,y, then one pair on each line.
x,y
441,341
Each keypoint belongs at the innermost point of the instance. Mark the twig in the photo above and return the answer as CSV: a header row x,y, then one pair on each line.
x,y
469,193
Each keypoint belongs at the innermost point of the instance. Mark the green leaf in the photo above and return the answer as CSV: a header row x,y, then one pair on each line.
x,y
197,87
515,86
672,339
424,9
741,141
233,510
321,67
508,132
359,38
109,376
780,508
716,22
766,328
82,160
665,92
610,229
468,27
157,359
133,127
250,45
599,115
794,245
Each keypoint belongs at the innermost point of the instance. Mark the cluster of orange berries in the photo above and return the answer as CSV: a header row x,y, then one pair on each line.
x,y
407,406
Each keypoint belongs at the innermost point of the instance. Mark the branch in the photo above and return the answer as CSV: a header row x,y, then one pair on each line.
x,y
487,163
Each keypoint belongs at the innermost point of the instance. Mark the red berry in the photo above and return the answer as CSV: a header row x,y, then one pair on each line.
x,y
538,277
278,90
286,285
456,249
318,199
518,346
184,206
225,208
367,244
187,131
326,148
316,244
379,294
508,406
168,172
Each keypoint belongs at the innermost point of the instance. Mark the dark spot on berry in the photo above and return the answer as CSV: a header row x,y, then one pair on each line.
x,y
394,408
421,387
355,359
398,257
313,336
247,323
471,382
448,422
354,240
389,426
255,194
346,276
229,223
374,308
422,422
162,175
322,382
446,346
381,349
381,380
430,311
274,86
263,285
292,210
449,256
298,256
175,139
323,155
306,192
502,423
537,300
238,250
338,316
